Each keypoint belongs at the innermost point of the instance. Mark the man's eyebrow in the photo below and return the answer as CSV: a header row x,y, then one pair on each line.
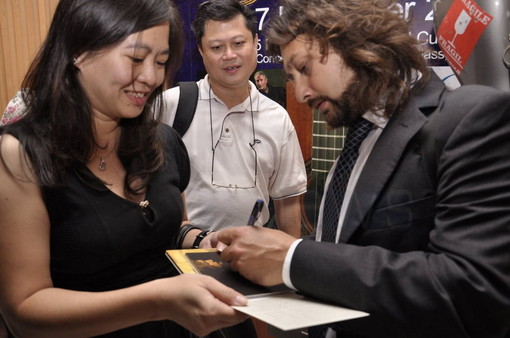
x,y
232,38
213,41
290,62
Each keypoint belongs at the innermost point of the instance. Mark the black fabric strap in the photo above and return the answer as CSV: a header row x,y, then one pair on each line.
x,y
186,107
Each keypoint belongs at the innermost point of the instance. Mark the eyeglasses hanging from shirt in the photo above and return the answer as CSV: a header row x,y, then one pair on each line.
x,y
234,162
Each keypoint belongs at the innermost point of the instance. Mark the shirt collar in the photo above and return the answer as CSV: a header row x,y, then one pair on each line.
x,y
246,105
377,117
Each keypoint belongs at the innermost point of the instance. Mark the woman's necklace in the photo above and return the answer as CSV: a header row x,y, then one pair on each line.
x,y
102,160
102,164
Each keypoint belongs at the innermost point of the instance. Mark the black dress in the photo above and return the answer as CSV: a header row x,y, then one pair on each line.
x,y
101,242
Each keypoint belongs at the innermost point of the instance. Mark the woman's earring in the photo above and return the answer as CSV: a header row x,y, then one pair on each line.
x,y
75,61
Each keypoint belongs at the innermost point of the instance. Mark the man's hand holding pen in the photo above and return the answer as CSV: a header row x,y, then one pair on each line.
x,y
256,253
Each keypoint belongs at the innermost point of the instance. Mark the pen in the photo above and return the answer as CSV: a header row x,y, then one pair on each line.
x,y
255,213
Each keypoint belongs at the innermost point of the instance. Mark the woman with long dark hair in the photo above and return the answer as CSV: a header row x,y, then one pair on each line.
x,y
91,183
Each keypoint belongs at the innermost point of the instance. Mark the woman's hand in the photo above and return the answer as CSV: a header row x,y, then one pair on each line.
x,y
201,303
210,241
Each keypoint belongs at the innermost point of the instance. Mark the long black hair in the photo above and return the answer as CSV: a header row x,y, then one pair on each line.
x,y
57,130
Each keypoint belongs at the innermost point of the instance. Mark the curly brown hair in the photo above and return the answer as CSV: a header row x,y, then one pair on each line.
x,y
370,35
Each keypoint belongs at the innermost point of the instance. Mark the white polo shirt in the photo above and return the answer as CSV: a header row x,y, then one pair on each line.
x,y
272,167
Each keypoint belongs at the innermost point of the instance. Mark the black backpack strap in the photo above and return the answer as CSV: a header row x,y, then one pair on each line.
x,y
186,107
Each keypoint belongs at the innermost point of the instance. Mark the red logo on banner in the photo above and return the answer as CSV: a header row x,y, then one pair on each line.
x,y
460,30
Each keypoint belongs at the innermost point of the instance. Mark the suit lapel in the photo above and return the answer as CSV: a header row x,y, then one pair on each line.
x,y
386,155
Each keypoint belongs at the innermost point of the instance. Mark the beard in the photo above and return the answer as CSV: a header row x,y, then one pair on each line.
x,y
344,110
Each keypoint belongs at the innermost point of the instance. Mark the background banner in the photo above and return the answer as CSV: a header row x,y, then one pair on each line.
x,y
419,11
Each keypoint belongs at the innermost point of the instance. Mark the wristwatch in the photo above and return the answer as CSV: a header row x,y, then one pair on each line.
x,y
199,238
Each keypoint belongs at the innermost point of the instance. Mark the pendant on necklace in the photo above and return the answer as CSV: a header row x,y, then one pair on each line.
x,y
102,164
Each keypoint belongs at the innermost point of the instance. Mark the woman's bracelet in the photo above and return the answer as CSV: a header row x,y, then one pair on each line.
x,y
199,238
183,231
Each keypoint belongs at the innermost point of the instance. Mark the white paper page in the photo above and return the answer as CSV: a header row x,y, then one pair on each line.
x,y
290,311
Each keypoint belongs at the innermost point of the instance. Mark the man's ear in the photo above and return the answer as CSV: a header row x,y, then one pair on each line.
x,y
200,50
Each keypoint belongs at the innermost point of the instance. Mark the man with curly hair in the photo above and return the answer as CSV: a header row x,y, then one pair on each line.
x,y
418,233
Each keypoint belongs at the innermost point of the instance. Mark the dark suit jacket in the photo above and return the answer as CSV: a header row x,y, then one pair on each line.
x,y
276,94
426,252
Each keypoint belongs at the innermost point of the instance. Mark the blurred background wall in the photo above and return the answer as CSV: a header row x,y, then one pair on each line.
x,y
23,27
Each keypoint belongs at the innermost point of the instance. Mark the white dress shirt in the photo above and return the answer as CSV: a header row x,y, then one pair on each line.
x,y
366,147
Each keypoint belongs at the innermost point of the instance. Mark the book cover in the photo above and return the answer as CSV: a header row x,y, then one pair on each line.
x,y
208,262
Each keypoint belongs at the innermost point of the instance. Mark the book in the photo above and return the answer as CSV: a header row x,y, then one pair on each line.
x,y
278,306
208,262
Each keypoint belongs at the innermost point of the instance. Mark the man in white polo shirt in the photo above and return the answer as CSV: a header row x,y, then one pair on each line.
x,y
242,145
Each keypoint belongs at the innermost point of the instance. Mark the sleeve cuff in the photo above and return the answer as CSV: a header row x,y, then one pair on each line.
x,y
286,265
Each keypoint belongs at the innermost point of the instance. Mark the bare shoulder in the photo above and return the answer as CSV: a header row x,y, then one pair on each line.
x,y
25,230
14,162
